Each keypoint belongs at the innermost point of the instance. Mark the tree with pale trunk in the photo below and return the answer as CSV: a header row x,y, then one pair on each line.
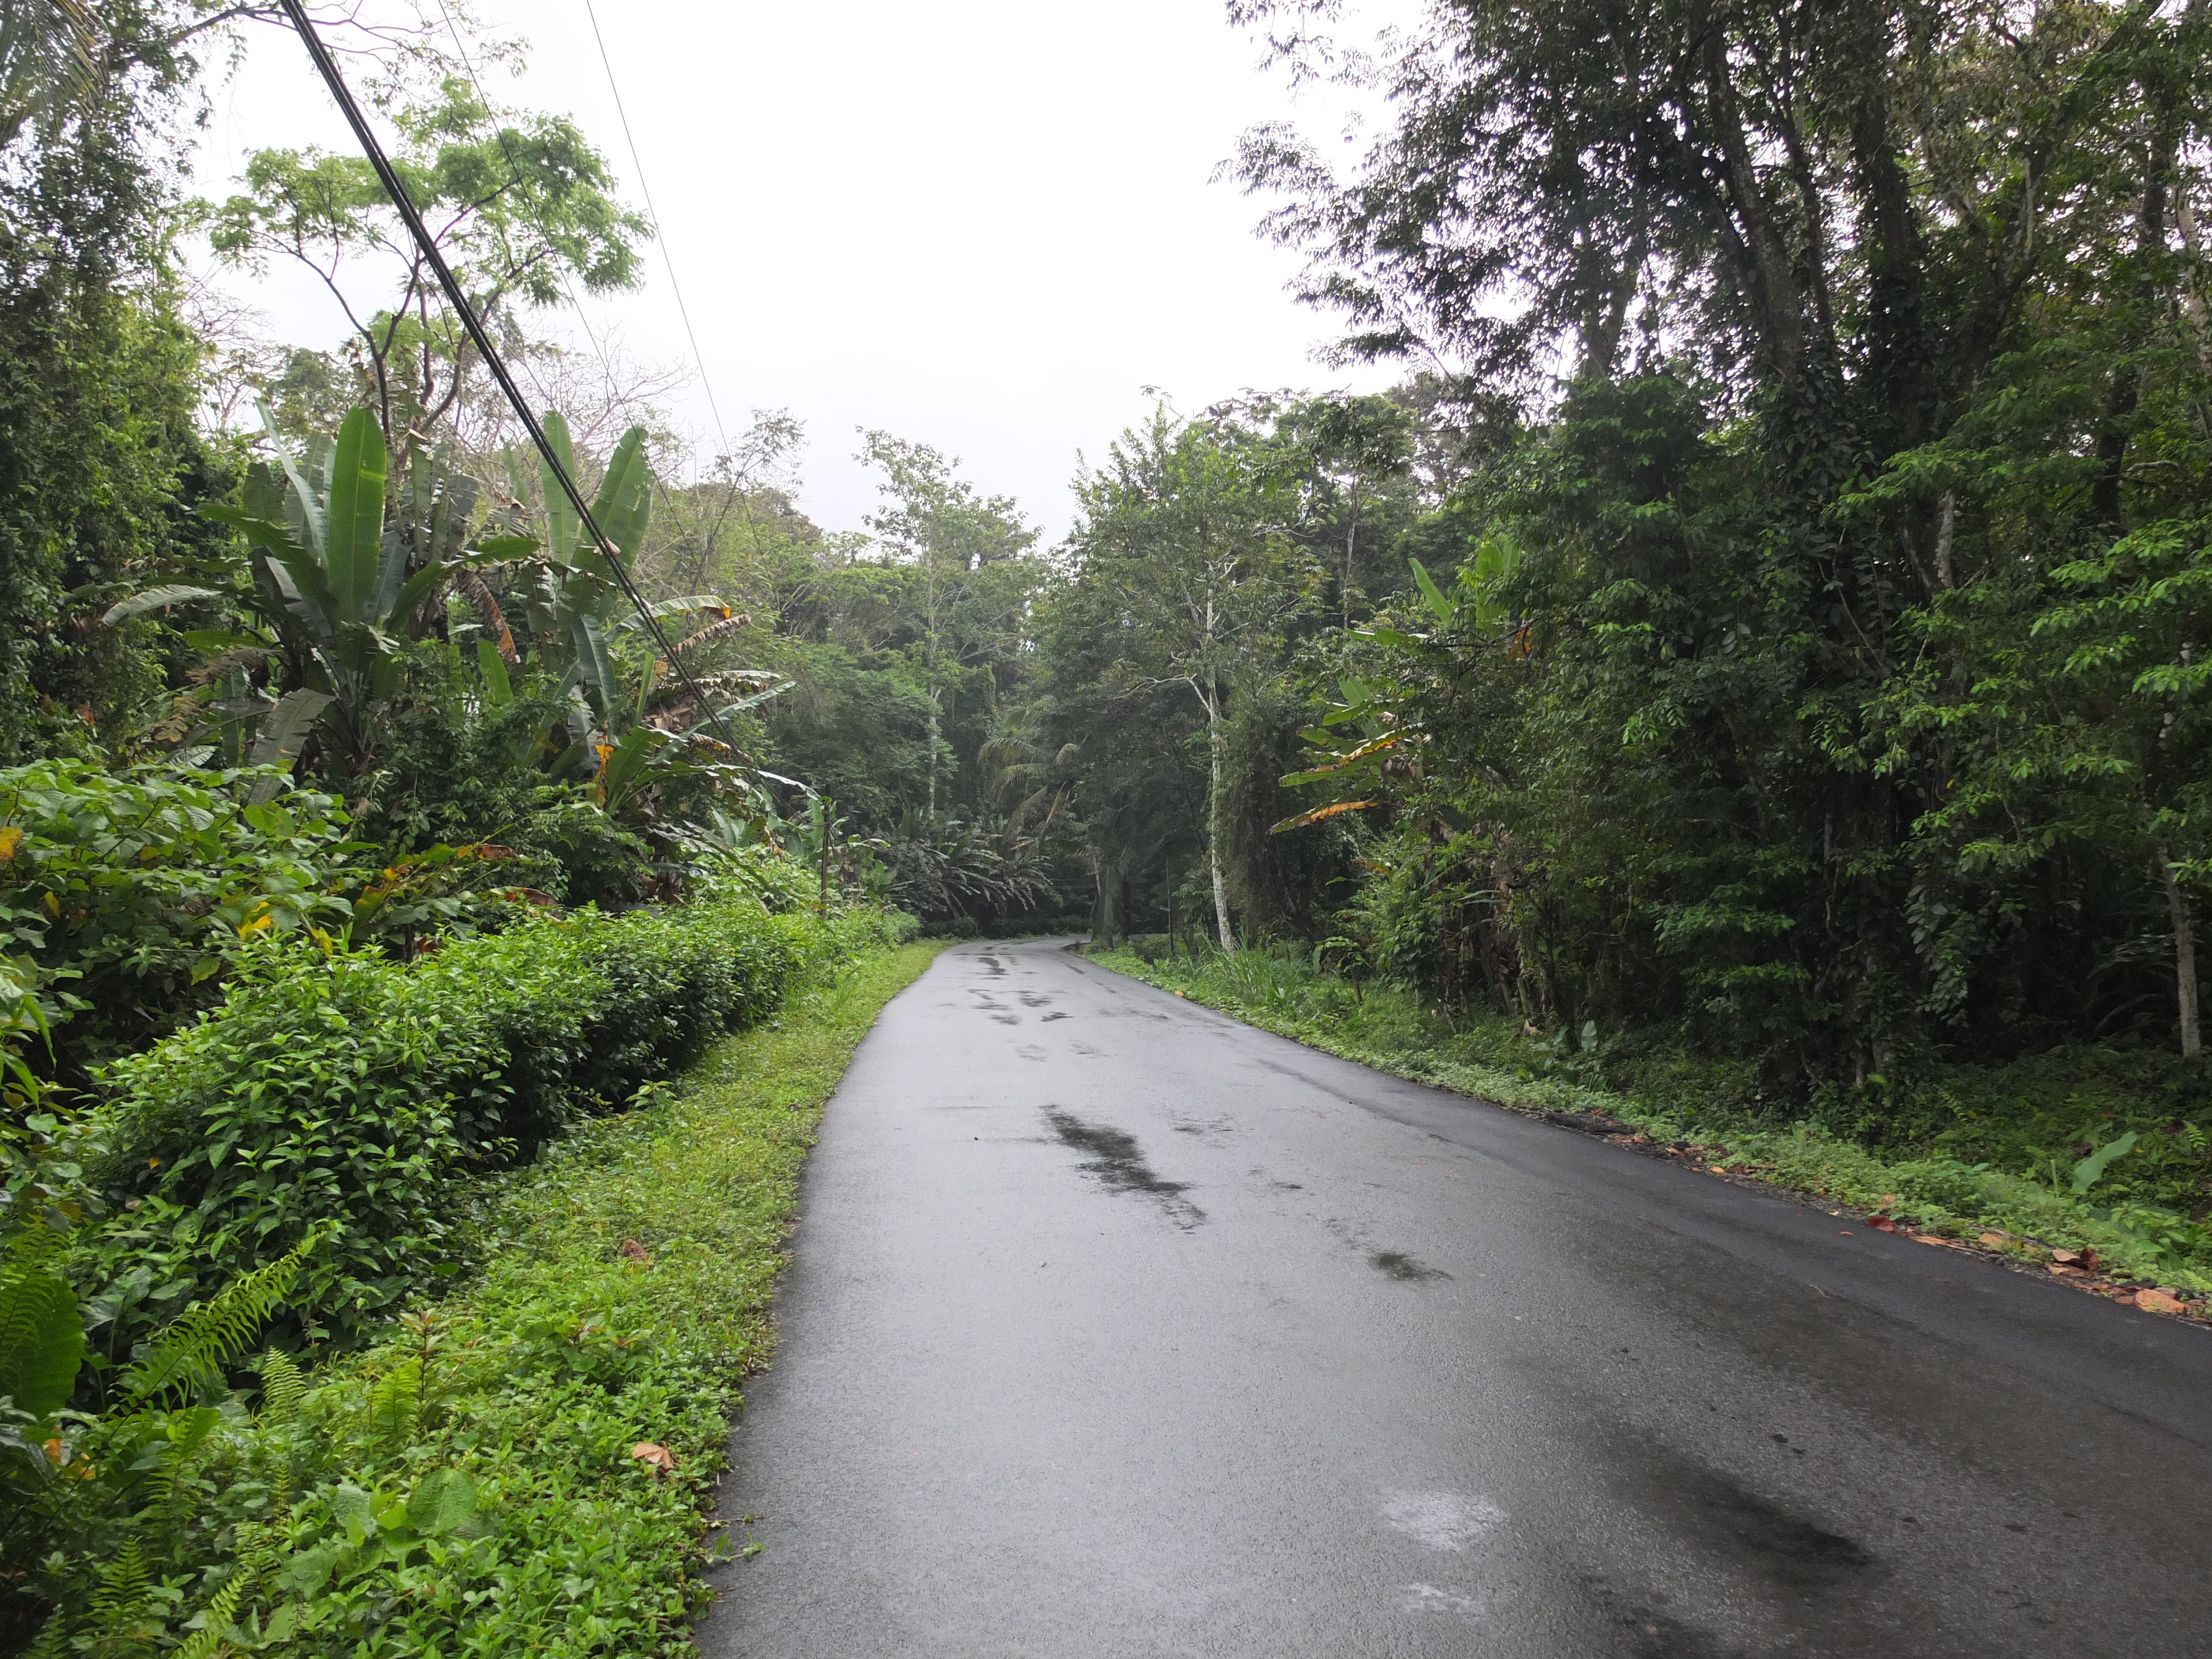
x,y
1178,560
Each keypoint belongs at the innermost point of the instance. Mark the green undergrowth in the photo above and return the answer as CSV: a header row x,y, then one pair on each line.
x,y
1963,1151
524,1465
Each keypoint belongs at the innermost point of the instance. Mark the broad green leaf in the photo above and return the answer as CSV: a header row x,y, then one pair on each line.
x,y
1445,608
356,1512
563,530
354,553
304,499
499,689
155,599
494,550
592,657
283,733
446,1499
2091,1170
41,1341
625,498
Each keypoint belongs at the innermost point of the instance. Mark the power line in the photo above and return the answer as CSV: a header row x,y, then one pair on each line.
x,y
327,67
660,235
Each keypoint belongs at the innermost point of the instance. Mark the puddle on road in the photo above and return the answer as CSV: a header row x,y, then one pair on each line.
x,y
1007,1019
1118,1164
1048,1018
1033,1000
1398,1265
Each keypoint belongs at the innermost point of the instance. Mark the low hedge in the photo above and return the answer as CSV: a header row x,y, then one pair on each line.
x,y
342,1094
519,1461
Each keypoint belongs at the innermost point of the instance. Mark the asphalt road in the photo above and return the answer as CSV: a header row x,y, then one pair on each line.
x,y
1119,1328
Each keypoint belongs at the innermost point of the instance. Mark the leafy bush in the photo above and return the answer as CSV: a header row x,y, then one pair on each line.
x,y
472,1482
343,1093
135,887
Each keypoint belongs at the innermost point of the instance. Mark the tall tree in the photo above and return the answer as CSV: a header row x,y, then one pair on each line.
x,y
1178,563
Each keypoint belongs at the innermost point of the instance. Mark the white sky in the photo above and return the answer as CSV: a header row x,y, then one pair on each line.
x,y
981,224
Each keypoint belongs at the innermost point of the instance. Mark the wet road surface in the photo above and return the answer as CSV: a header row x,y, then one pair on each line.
x,y
1119,1328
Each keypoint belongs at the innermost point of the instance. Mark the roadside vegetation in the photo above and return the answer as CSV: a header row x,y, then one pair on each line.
x,y
1751,682
1991,1161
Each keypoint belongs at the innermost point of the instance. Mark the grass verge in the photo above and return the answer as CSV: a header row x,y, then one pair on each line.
x,y
1700,1112
525,1466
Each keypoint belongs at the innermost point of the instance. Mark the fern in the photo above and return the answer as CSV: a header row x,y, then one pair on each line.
x,y
53,1642
123,1587
284,1389
283,1392
194,1350
221,1615
395,1404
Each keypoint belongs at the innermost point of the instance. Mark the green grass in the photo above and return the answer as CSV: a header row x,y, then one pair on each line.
x,y
472,1484
1962,1152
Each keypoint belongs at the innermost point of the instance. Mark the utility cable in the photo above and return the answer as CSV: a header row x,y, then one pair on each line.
x,y
327,67
660,234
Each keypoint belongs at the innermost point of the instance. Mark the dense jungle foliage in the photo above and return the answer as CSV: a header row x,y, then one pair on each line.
x,y
1757,656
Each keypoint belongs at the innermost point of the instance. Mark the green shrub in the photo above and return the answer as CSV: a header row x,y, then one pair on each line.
x,y
469,1482
342,1093
136,888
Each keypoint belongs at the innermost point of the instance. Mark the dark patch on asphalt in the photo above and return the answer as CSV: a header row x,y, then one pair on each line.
x,y
1724,1520
1650,1631
1399,1264
1048,1018
993,966
1031,999
1119,1163
1030,1051
1007,1019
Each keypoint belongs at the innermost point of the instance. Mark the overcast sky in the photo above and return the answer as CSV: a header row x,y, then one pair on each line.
x,y
981,224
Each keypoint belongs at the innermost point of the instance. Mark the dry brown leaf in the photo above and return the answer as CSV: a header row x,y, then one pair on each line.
x,y
2066,1269
1881,1223
2157,1302
654,1456
633,1251
1997,1239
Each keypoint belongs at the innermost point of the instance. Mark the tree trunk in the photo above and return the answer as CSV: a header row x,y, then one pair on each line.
x,y
1216,743
2185,952
932,757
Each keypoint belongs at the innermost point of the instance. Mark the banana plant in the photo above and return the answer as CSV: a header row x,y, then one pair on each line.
x,y
339,586
572,598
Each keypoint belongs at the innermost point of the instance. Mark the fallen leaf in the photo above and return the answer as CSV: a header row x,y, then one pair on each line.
x,y
633,1251
1929,1238
1842,1232
2067,1258
1998,1239
1881,1223
2066,1270
2157,1302
654,1456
